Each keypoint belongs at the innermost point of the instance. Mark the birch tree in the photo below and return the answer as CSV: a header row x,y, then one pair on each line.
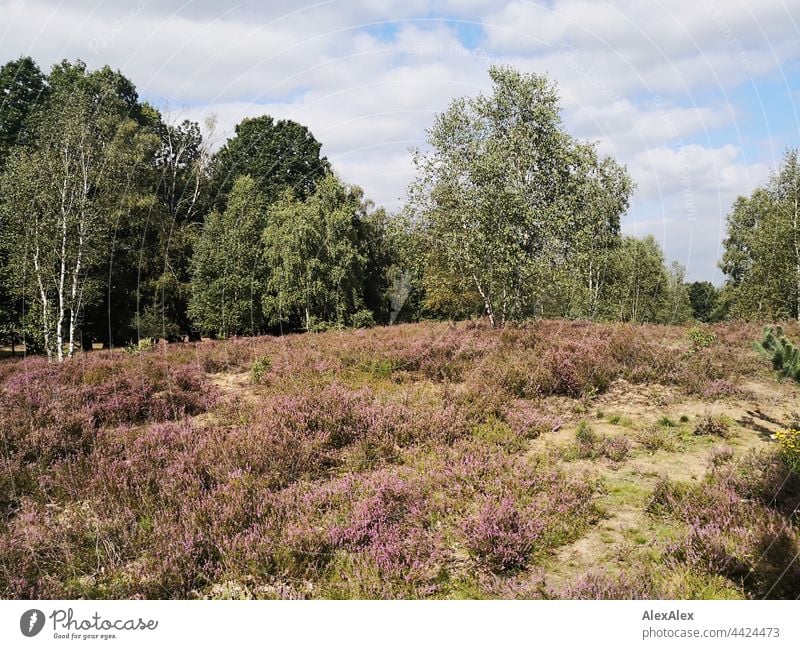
x,y
59,195
762,247
504,194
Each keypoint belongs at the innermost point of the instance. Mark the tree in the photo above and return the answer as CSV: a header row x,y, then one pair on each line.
x,y
60,194
639,282
316,256
505,195
180,182
677,307
276,155
227,269
704,298
762,247
23,88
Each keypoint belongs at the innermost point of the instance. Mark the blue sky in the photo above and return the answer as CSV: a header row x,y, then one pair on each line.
x,y
697,97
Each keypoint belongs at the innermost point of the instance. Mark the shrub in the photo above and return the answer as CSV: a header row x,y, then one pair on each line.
x,y
597,585
701,338
717,425
721,388
362,319
500,433
720,455
789,441
655,438
500,536
667,495
783,355
735,527
385,462
144,345
529,421
615,449
260,367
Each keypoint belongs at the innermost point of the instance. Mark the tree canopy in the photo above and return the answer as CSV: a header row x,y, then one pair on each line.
x,y
505,194
276,155
762,247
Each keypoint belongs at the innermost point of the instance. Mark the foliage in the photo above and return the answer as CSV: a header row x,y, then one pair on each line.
x,y
276,155
717,425
762,255
655,438
228,276
701,338
640,287
783,355
789,440
62,194
736,527
315,256
382,463
491,216
704,298
23,88
260,367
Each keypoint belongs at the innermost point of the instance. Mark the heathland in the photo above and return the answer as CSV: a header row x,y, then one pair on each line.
x,y
549,459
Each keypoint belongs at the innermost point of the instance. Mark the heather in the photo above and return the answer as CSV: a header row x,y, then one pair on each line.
x,y
415,461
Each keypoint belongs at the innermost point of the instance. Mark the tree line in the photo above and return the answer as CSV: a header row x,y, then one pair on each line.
x,y
117,224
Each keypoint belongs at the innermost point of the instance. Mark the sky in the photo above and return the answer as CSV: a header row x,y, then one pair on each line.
x,y
697,97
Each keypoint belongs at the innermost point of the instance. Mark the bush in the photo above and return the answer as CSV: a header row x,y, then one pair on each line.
x,y
736,527
701,338
654,438
385,462
260,367
615,449
721,388
789,441
599,585
720,455
363,319
500,536
529,421
717,425
783,355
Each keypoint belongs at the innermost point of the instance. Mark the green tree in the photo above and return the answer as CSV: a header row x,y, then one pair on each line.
x,y
227,269
276,155
704,298
129,262
181,186
60,195
677,306
505,195
316,256
639,283
23,88
762,247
